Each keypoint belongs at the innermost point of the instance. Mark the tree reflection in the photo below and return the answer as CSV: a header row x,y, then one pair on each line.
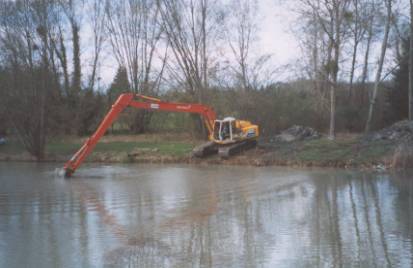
x,y
218,218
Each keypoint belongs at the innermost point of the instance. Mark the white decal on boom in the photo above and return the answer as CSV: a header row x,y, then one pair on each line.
x,y
186,107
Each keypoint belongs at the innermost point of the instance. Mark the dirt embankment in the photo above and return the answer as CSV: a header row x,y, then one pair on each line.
x,y
389,148
298,146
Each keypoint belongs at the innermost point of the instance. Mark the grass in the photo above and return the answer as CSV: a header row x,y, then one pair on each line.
x,y
342,150
375,150
164,148
154,145
12,147
326,150
321,152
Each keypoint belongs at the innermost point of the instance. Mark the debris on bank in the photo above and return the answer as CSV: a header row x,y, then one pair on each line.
x,y
297,133
398,132
400,136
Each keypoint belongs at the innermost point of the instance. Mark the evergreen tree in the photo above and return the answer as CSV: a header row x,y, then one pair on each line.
x,y
119,85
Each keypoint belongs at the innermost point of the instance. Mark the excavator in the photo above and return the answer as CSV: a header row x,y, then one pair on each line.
x,y
226,137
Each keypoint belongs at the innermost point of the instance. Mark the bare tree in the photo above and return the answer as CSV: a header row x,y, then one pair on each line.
x,y
314,45
59,47
25,40
134,33
388,4
370,33
189,27
358,30
241,28
97,17
331,16
72,9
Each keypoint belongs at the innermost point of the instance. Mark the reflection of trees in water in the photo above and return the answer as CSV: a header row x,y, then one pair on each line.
x,y
335,225
365,204
145,253
353,220
402,191
325,227
379,221
341,219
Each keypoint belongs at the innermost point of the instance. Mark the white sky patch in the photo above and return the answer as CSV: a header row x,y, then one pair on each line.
x,y
275,32
275,20
274,38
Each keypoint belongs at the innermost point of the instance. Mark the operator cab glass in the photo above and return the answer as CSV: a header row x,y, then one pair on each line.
x,y
224,129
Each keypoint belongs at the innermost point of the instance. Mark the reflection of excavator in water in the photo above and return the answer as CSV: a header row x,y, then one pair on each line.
x,y
227,137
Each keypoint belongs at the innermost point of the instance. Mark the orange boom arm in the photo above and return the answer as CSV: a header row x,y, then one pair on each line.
x,y
147,103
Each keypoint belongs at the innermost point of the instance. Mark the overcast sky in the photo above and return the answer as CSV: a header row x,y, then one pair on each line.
x,y
275,31
275,22
274,37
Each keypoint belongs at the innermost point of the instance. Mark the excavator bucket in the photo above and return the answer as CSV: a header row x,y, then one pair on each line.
x,y
68,172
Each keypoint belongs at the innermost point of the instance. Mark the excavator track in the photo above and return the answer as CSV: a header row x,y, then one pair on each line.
x,y
205,149
226,151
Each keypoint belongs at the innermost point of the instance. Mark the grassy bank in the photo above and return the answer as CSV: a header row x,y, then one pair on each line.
x,y
346,151
109,149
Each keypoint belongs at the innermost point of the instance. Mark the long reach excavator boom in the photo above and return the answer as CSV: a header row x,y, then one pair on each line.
x,y
140,102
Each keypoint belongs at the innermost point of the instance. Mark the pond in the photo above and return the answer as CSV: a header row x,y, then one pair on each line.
x,y
203,216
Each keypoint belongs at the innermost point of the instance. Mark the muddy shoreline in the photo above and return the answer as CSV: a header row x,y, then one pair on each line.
x,y
259,157
390,148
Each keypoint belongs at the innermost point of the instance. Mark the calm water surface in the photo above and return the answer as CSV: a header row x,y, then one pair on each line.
x,y
203,216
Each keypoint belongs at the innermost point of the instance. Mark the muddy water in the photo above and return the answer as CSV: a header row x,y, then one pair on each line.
x,y
195,216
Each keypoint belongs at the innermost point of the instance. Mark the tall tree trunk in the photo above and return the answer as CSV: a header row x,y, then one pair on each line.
x,y
333,86
380,66
63,61
93,75
355,47
333,89
353,67
40,128
76,59
204,44
366,60
411,63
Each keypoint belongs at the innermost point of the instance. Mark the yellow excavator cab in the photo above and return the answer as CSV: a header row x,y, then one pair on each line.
x,y
230,130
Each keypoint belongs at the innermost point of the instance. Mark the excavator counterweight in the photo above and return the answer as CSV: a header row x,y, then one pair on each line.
x,y
228,136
